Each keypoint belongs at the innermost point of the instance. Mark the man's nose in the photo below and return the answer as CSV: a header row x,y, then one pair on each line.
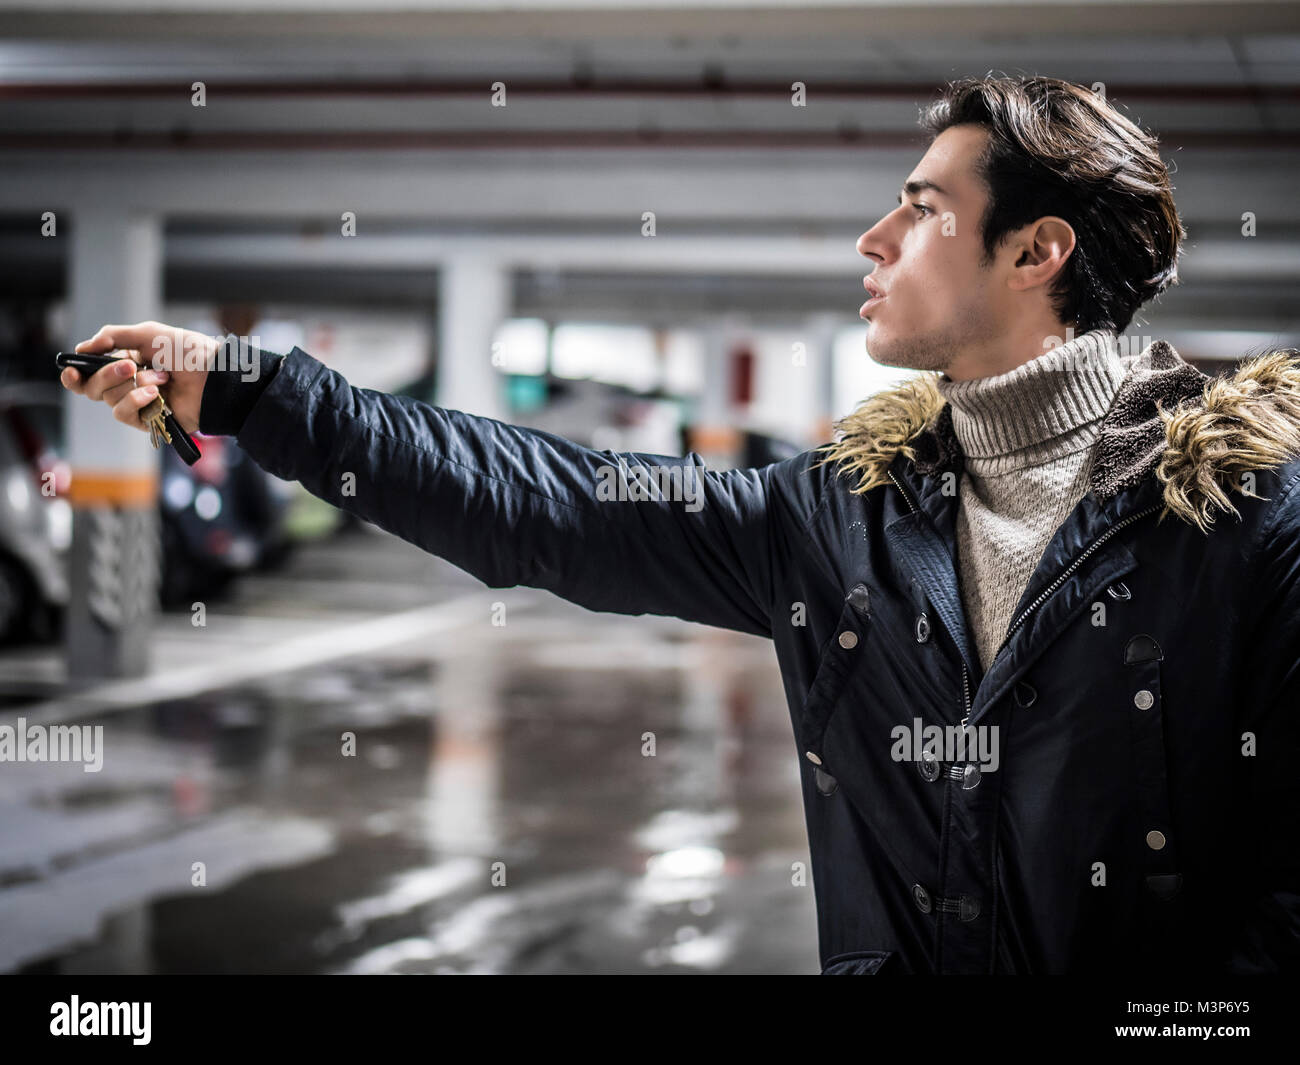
x,y
870,245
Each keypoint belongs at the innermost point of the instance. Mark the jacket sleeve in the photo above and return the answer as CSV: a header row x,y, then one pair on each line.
x,y
516,506
1268,936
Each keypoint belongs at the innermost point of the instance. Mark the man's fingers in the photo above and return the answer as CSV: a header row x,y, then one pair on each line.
x,y
103,381
100,343
116,390
71,380
128,408
109,337
152,344
114,395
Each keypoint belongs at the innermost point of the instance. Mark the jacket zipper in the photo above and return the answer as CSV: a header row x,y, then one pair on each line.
x,y
1046,593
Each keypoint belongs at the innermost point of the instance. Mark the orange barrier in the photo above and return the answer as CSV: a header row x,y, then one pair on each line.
x,y
98,488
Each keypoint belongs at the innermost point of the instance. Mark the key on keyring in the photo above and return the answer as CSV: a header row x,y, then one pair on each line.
x,y
155,416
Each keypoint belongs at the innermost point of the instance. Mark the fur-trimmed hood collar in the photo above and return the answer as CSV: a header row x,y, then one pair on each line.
x,y
1198,433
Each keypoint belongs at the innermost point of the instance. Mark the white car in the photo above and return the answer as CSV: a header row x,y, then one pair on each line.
x,y
35,518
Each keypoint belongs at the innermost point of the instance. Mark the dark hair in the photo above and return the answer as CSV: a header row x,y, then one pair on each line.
x,y
1060,149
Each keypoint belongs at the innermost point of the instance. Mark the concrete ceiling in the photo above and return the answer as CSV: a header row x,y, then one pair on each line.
x,y
613,109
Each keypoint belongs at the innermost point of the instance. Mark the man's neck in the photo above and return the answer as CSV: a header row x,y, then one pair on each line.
x,y
1043,409
1009,350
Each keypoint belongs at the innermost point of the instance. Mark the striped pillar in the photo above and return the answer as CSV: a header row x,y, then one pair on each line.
x,y
115,276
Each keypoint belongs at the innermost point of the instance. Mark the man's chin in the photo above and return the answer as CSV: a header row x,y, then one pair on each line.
x,y
899,353
879,345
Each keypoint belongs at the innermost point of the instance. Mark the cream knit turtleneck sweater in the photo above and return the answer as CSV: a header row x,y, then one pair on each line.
x,y
1027,438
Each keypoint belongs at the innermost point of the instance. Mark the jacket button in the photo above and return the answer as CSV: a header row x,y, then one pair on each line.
x,y
971,777
1025,694
922,898
826,783
848,639
922,628
1156,840
860,598
928,767
812,758
1143,700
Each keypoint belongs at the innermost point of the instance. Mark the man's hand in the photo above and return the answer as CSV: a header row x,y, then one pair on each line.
x,y
153,355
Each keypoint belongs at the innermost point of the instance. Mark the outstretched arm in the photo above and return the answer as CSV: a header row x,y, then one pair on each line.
x,y
518,506
624,532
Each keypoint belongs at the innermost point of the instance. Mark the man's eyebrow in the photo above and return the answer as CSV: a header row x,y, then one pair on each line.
x,y
913,187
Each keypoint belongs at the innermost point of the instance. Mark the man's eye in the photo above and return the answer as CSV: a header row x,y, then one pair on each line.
x,y
922,207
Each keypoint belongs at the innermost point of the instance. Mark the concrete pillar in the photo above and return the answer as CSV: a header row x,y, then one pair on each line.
x,y
821,330
714,429
115,276
474,299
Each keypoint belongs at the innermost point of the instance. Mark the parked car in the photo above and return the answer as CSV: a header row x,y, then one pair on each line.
x,y
35,518
221,517
761,449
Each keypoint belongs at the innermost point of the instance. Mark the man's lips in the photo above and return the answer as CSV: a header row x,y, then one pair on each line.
x,y
877,295
873,302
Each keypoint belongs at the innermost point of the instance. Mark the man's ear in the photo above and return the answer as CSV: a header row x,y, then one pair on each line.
x,y
1042,251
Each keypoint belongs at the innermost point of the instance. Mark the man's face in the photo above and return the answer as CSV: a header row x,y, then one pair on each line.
x,y
939,299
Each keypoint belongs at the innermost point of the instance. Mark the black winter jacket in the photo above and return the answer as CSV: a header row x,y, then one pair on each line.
x,y
1136,809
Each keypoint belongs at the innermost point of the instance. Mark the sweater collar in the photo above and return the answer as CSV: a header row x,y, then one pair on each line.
x,y
1134,436
1172,431
1041,409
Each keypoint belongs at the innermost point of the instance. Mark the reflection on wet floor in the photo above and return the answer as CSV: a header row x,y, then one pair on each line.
x,y
498,809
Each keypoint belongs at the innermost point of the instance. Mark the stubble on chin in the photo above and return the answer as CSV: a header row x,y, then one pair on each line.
x,y
938,349
931,352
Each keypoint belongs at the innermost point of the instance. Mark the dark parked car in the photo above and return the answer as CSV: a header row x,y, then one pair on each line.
x,y
220,517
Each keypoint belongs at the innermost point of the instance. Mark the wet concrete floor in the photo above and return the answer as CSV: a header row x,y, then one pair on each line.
x,y
462,797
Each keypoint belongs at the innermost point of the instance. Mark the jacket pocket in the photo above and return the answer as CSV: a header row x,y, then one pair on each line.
x,y
859,963
839,656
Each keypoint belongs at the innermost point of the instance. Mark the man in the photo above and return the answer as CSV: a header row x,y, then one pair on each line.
x,y
1045,703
